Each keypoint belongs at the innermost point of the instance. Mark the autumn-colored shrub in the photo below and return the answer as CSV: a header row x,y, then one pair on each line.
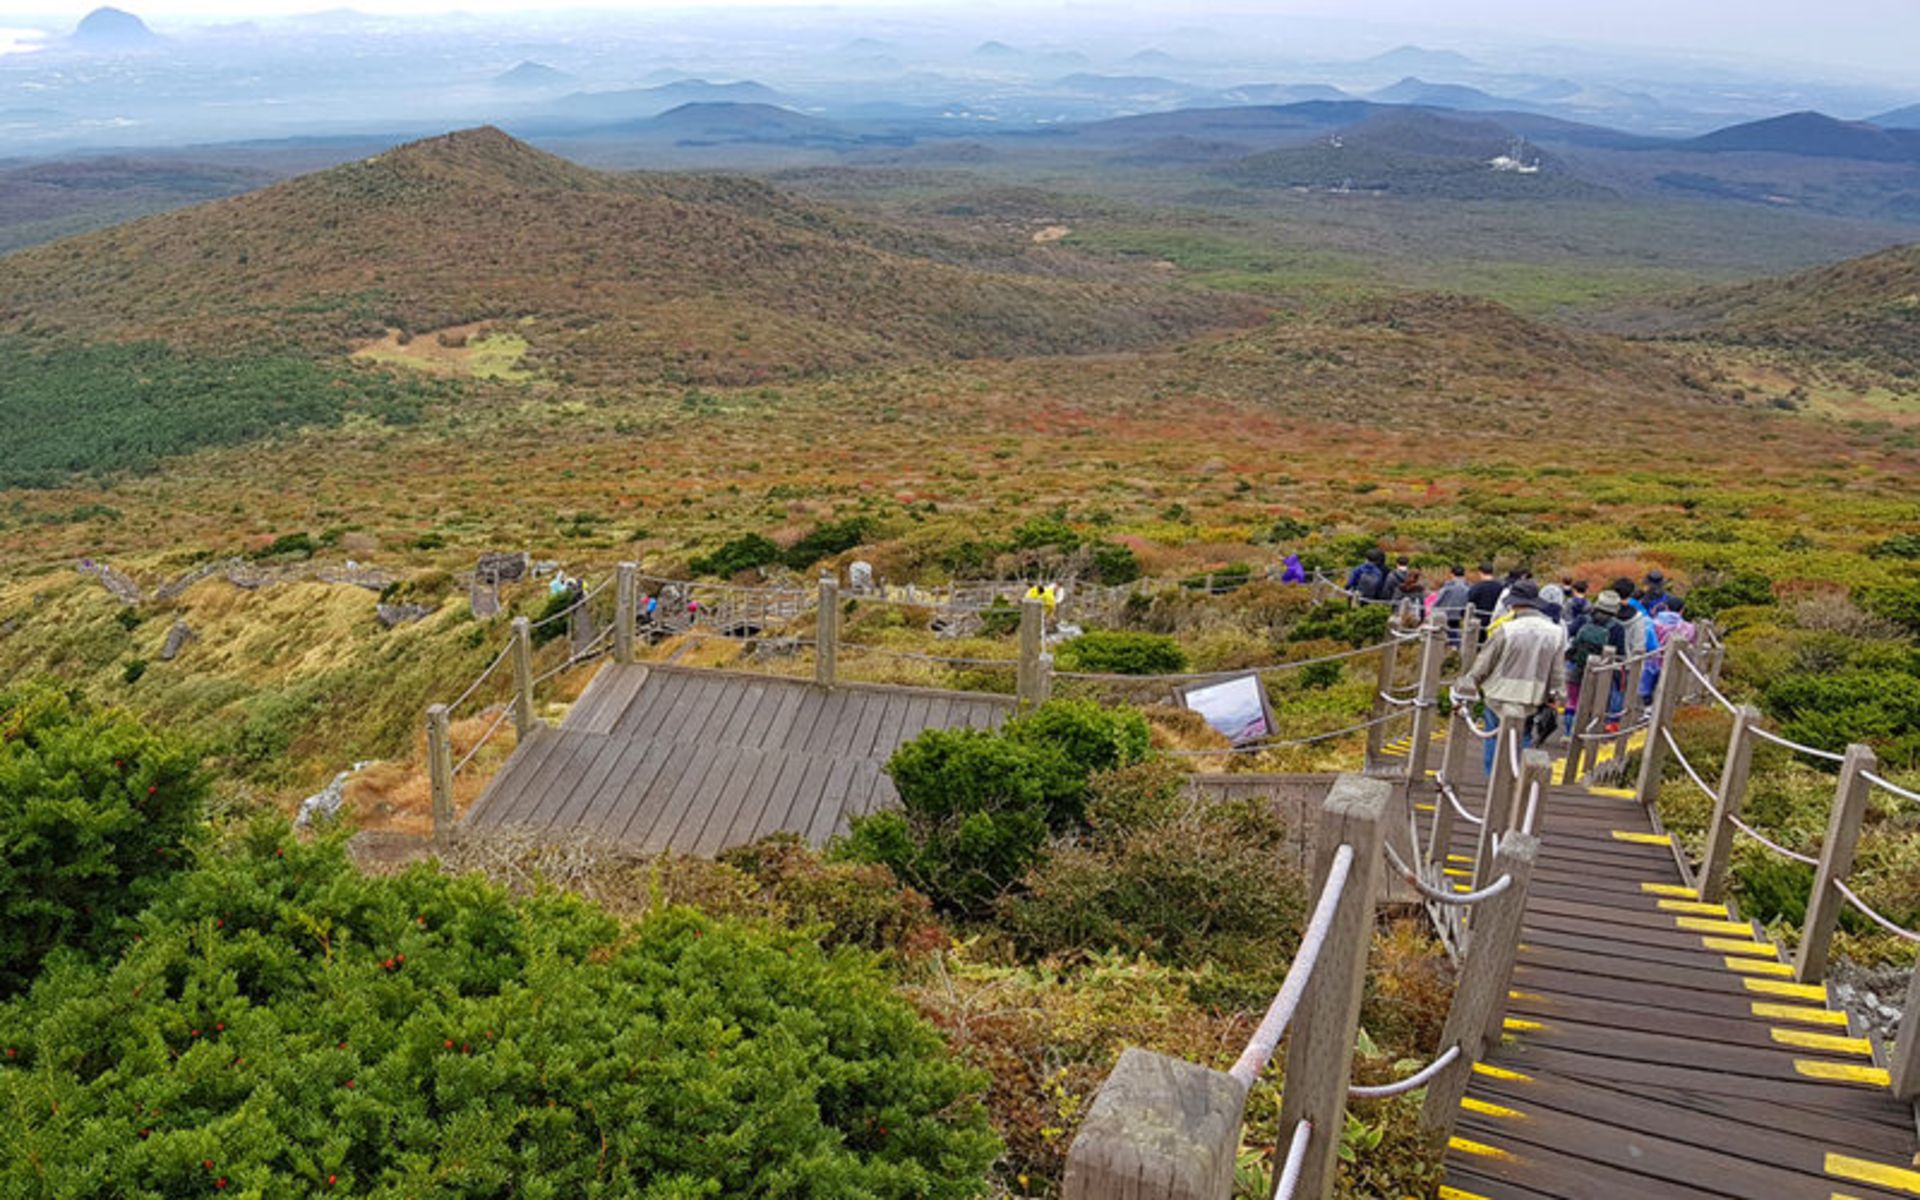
x,y
845,903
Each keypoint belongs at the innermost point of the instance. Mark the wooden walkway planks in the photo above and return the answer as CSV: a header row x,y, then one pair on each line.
x,y
1659,1048
664,758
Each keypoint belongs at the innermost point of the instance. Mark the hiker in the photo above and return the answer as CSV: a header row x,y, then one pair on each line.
x,y
1552,600
1595,632
1485,593
1669,625
1577,604
1368,581
1521,669
1451,602
1641,638
1294,572
1653,594
1395,587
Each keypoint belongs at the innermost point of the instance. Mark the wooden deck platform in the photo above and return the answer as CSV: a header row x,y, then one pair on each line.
x,y
1658,1047
697,760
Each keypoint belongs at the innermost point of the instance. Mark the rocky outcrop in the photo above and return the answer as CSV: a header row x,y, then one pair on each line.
x,y
394,615
177,639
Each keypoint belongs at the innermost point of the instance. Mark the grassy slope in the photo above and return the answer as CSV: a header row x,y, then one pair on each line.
x,y
624,277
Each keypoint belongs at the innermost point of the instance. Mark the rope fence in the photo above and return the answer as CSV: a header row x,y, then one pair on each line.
x,y
1289,1181
1867,911
1259,1052
1882,784
1265,744
483,677
499,719
1418,1079
1680,757
1797,747
1770,844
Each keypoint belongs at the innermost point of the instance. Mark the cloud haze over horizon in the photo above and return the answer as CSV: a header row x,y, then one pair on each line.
x,y
1869,34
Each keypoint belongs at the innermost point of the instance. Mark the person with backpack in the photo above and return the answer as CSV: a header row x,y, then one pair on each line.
x,y
1577,604
1523,666
1595,632
1369,580
1669,626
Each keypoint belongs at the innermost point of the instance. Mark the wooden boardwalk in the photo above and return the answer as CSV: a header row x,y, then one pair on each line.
x,y
697,760
1657,1048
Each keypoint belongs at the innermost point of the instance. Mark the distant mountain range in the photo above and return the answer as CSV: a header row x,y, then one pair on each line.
x,y
533,76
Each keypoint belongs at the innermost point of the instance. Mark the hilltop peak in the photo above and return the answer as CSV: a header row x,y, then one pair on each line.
x,y
113,29
484,156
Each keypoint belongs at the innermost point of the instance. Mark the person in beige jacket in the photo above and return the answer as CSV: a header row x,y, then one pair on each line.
x,y
1523,665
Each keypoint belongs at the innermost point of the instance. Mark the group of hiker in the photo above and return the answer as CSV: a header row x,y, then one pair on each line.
x,y
1538,638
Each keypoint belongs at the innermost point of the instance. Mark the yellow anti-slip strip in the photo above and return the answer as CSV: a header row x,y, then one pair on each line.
x,y
1790,991
1457,872
1796,1012
1832,1043
1617,793
1479,1149
1459,858
1425,807
1454,1193
1709,925
1531,997
1493,1072
1487,1109
1670,889
1516,1025
1838,1072
1758,966
1880,1175
1696,907
1739,946
1642,839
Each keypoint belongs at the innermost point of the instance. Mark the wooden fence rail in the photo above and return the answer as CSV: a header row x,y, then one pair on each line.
x,y
1164,1129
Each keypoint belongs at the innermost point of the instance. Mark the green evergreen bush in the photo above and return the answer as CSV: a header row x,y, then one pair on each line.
x,y
977,806
95,811
283,1026
743,553
1122,652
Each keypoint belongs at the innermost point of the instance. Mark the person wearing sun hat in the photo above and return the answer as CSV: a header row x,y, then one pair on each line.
x,y
1523,666
1598,630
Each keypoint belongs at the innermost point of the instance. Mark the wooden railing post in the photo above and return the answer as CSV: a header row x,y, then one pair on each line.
x,y
826,638
626,596
1159,1129
1728,800
1836,863
440,772
1906,1051
1382,688
1033,616
1454,768
1469,638
1501,783
1666,697
523,718
1480,996
1582,717
1433,656
1320,1046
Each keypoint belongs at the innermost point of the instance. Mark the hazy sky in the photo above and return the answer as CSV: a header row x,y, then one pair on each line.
x,y
1875,34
